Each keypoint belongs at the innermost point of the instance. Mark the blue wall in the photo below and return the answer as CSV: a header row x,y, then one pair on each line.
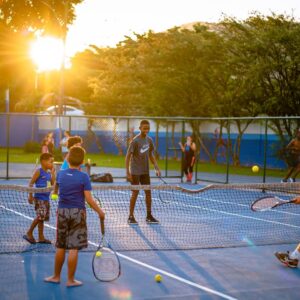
x,y
25,128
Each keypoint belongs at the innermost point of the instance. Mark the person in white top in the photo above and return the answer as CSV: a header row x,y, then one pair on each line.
x,y
64,143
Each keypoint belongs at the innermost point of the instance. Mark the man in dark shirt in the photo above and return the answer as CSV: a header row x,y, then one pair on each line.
x,y
139,152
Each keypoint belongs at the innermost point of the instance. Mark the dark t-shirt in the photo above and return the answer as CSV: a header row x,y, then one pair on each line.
x,y
140,148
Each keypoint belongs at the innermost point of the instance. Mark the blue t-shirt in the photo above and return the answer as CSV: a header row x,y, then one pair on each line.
x,y
43,181
72,184
64,165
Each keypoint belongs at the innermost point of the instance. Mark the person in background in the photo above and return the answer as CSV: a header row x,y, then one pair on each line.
x,y
50,139
45,148
292,151
64,143
189,151
76,141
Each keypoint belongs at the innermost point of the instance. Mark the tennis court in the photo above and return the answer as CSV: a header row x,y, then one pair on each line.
x,y
208,245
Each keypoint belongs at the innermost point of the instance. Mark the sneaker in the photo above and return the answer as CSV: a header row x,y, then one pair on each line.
x,y
132,221
285,259
283,180
151,220
292,179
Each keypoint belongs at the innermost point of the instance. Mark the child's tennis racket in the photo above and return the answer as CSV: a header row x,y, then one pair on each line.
x,y
106,264
268,202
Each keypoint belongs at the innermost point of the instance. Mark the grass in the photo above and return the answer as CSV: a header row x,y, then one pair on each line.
x,y
17,155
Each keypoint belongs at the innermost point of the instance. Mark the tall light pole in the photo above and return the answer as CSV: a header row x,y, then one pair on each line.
x,y
63,28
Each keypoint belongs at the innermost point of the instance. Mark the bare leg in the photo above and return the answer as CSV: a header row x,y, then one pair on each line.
x,y
41,230
148,202
59,261
297,171
133,198
32,226
72,264
289,173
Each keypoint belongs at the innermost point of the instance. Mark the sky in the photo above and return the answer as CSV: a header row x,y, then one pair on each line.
x,y
105,23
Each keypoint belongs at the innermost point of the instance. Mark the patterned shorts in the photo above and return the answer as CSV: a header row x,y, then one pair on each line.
x,y
71,228
42,208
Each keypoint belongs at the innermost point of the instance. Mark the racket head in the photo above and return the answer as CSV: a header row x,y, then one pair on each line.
x,y
195,191
266,203
164,196
106,267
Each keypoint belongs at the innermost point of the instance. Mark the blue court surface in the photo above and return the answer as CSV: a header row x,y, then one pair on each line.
x,y
243,266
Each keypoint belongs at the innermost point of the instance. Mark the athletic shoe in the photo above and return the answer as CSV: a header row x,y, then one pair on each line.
x,y
285,259
151,220
292,179
283,181
132,221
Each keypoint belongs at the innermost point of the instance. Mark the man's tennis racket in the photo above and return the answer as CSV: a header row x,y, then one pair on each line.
x,y
106,264
268,202
165,196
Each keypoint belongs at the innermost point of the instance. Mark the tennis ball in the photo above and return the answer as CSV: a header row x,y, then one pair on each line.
x,y
54,197
158,278
255,169
98,254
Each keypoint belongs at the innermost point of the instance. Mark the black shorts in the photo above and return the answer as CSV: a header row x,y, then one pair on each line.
x,y
143,179
71,228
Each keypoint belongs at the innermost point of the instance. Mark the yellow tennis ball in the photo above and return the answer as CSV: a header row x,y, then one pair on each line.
x,y
255,169
54,197
158,278
98,254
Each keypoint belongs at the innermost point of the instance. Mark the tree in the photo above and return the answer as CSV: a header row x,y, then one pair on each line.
x,y
18,22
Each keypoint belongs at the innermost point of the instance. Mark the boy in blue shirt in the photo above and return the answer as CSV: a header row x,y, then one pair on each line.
x,y
42,178
74,189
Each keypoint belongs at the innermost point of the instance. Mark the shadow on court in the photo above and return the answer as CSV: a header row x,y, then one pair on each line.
x,y
228,273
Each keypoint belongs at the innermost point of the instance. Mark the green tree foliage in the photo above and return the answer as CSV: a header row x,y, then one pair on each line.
x,y
18,22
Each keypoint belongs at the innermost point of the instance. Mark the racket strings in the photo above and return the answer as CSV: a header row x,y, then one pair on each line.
x,y
106,267
265,203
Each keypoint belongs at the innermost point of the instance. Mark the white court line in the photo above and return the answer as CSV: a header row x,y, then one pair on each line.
x,y
140,263
228,213
226,202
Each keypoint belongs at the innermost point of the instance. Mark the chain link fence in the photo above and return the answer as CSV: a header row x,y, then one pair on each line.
x,y
225,147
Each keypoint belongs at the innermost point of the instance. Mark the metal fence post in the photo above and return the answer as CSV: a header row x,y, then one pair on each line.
x,y
265,150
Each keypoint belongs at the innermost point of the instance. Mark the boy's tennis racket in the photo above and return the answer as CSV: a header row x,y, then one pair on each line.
x,y
106,264
268,202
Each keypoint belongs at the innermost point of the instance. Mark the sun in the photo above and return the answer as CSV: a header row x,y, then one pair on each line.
x,y
47,53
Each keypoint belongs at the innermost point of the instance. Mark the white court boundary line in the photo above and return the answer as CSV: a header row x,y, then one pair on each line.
x,y
140,263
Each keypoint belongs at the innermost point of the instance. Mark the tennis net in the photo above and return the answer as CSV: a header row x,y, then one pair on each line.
x,y
216,216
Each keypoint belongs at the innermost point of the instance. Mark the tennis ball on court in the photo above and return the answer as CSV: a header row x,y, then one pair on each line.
x,y
98,254
255,169
54,197
158,278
